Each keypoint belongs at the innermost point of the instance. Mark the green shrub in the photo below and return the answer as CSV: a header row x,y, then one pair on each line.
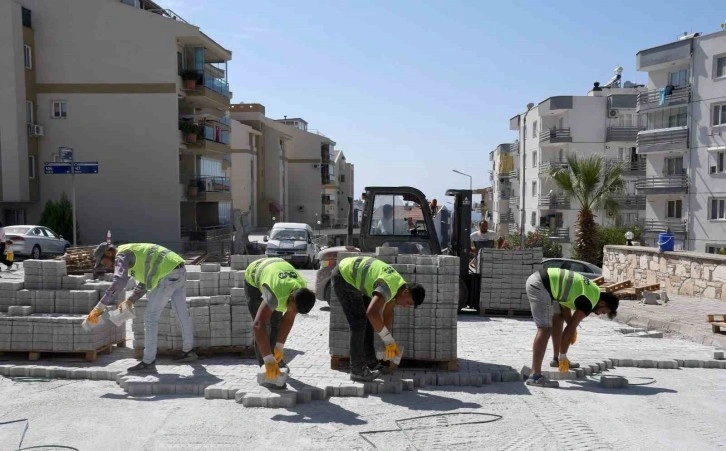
x,y
58,216
550,249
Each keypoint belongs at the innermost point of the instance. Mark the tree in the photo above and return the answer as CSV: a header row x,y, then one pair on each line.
x,y
593,186
58,216
614,236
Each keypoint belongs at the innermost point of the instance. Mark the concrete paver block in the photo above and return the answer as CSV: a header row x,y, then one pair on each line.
x,y
352,390
667,364
625,363
647,363
613,381
447,379
718,355
281,400
692,364
408,384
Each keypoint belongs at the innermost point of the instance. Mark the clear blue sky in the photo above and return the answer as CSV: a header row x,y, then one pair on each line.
x,y
410,90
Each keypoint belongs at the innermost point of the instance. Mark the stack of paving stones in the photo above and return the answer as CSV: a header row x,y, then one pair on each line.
x,y
425,333
217,304
504,275
44,312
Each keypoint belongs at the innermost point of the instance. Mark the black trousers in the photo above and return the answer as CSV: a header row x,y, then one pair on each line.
x,y
254,299
4,260
355,305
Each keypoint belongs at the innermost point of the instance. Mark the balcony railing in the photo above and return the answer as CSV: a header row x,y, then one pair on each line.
x,y
658,226
630,201
513,228
506,217
505,194
217,85
559,233
658,98
674,184
491,175
629,167
546,167
555,202
662,140
514,174
555,135
514,147
622,133
211,184
215,134
514,201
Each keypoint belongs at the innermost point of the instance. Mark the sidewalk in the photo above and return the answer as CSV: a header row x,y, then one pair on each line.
x,y
681,315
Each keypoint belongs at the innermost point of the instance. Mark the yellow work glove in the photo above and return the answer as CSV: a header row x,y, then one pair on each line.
x,y
272,369
574,337
128,305
392,351
279,352
564,363
92,317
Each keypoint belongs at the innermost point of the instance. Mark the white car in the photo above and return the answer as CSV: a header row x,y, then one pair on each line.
x,y
35,241
586,269
292,241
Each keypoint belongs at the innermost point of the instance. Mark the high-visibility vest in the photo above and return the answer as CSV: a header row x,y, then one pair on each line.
x,y
566,286
364,272
277,275
152,262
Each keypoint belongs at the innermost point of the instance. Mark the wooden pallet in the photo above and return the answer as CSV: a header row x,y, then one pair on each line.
x,y
89,356
507,313
599,281
245,351
716,318
718,327
342,363
654,287
616,286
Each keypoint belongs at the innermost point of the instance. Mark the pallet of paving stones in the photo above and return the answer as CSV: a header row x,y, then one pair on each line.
x,y
88,356
427,333
342,363
217,304
507,313
504,275
245,352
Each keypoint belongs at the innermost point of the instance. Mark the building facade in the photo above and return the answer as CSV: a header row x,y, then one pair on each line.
x,y
503,208
683,116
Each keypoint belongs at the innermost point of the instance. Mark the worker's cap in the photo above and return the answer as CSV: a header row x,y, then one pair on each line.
x,y
100,251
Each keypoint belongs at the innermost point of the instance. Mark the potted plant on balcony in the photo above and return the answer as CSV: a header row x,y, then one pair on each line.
x,y
190,131
190,78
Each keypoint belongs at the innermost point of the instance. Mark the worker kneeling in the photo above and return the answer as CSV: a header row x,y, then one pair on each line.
x,y
551,293
276,293
159,271
369,289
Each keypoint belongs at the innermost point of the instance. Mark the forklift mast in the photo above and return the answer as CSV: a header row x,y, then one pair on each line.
x,y
461,233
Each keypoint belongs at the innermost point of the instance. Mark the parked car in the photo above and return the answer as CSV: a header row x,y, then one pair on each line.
x,y
586,269
294,242
35,241
328,258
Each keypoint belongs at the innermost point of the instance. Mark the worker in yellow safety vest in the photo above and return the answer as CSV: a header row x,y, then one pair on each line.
x,y
161,273
276,293
369,289
557,296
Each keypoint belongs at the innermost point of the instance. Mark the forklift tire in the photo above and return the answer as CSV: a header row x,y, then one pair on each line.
x,y
463,295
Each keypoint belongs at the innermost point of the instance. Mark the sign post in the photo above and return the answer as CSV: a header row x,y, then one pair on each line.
x,y
66,164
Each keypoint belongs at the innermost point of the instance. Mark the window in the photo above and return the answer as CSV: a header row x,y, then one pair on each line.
x,y
31,166
673,209
534,159
678,118
533,219
342,178
28,112
721,67
678,78
716,249
28,53
534,188
719,115
673,166
716,163
718,209
59,109
534,129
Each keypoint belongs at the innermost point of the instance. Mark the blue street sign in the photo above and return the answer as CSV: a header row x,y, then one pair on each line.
x,y
85,167
57,168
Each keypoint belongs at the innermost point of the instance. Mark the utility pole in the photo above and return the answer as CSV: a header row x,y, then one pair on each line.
x,y
523,145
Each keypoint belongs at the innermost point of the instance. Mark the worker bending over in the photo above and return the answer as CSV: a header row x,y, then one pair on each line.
x,y
369,289
276,293
159,271
551,292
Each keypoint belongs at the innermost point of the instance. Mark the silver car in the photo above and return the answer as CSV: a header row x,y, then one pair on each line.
x,y
586,269
35,241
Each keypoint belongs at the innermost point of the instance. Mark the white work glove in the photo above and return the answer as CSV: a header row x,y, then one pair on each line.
x,y
391,350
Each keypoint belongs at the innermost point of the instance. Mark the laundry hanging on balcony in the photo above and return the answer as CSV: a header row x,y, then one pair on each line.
x,y
661,96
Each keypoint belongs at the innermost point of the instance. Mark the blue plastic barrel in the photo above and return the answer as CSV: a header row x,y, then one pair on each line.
x,y
666,241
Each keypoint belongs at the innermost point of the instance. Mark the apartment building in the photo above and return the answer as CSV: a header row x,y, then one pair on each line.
x,y
600,123
335,199
149,108
243,175
503,209
683,114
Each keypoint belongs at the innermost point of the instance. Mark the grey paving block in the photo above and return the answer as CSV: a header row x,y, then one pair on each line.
x,y
352,390
139,388
667,364
408,384
718,355
390,387
20,310
613,381
693,364
626,363
514,376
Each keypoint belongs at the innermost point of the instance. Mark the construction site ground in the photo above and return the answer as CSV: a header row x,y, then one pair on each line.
x,y
661,409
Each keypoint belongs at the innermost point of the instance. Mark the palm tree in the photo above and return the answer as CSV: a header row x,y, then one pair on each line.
x,y
593,186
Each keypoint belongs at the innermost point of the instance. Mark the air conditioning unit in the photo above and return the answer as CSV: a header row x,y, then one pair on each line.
x,y
36,130
613,113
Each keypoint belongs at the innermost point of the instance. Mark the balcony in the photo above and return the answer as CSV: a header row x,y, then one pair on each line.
x,y
209,91
558,233
662,140
514,174
675,184
514,202
327,199
513,228
630,201
546,167
555,135
210,139
659,226
505,194
630,168
327,174
514,147
663,97
506,217
554,202
209,189
628,134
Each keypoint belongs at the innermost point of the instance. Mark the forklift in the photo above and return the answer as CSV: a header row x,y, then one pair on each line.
x,y
402,217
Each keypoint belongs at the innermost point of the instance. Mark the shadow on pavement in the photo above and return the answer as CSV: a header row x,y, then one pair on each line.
x,y
631,390
426,401
185,386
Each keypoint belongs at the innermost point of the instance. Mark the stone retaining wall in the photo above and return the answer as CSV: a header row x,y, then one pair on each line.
x,y
685,273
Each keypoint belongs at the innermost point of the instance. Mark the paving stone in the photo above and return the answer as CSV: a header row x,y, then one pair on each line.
x,y
371,387
613,381
692,364
718,355
390,387
139,388
282,400
447,379
408,384
594,369
579,373
647,363
625,363
712,364
513,376
351,390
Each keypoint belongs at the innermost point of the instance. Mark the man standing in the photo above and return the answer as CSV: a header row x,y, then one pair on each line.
x,y
483,237
159,271
549,292
276,293
369,289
